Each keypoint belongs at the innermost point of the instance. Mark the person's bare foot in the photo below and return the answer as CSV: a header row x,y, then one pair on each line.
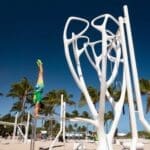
x,y
40,65
39,62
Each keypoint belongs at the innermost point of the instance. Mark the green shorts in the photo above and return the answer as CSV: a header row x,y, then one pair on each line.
x,y
37,97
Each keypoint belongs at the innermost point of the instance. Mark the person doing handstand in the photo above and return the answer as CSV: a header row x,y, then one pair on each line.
x,y
37,97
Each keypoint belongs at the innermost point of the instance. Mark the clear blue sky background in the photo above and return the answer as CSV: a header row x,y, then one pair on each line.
x,y
31,29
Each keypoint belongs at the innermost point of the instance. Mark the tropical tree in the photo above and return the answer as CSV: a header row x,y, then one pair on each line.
x,y
22,91
1,94
115,92
70,128
94,95
144,86
8,118
145,90
85,114
52,99
67,97
17,106
108,116
83,128
75,113
148,104
68,115
4,129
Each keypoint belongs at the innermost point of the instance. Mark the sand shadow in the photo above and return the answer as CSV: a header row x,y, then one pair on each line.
x,y
47,148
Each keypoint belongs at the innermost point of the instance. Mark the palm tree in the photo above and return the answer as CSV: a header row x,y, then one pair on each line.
x,y
148,104
85,114
68,115
22,91
115,92
145,90
94,96
8,118
84,128
67,97
74,114
144,86
70,128
52,100
108,116
16,106
1,94
4,129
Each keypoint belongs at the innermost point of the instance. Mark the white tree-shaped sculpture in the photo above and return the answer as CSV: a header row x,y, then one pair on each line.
x,y
123,53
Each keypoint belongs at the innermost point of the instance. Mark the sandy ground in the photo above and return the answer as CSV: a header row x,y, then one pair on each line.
x,y
9,145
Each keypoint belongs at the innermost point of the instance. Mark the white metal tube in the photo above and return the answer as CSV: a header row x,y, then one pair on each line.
x,y
116,66
15,126
101,130
134,70
79,119
61,125
118,109
64,122
129,86
7,123
27,128
56,138
81,86
20,131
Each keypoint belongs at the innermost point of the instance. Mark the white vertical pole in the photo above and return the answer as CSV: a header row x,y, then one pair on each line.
x,y
100,129
134,69
61,112
129,86
15,126
27,128
61,124
64,122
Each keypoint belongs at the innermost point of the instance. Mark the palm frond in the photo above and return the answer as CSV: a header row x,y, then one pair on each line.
x,y
148,104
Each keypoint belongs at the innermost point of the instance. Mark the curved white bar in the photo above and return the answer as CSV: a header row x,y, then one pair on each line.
x,y
78,75
115,69
70,19
118,109
77,119
97,26
103,25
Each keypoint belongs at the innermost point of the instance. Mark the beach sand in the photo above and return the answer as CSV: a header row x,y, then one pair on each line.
x,y
10,145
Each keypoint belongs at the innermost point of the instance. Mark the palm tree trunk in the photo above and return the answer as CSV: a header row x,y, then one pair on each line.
x,y
23,104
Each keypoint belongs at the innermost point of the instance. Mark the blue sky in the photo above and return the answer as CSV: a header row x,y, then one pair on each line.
x,y
32,29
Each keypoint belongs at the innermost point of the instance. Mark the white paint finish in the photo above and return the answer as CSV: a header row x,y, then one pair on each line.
x,y
124,55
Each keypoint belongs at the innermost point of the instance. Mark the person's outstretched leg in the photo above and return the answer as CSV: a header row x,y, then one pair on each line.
x,y
40,74
38,88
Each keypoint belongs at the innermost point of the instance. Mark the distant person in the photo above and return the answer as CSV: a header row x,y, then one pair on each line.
x,y
37,97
